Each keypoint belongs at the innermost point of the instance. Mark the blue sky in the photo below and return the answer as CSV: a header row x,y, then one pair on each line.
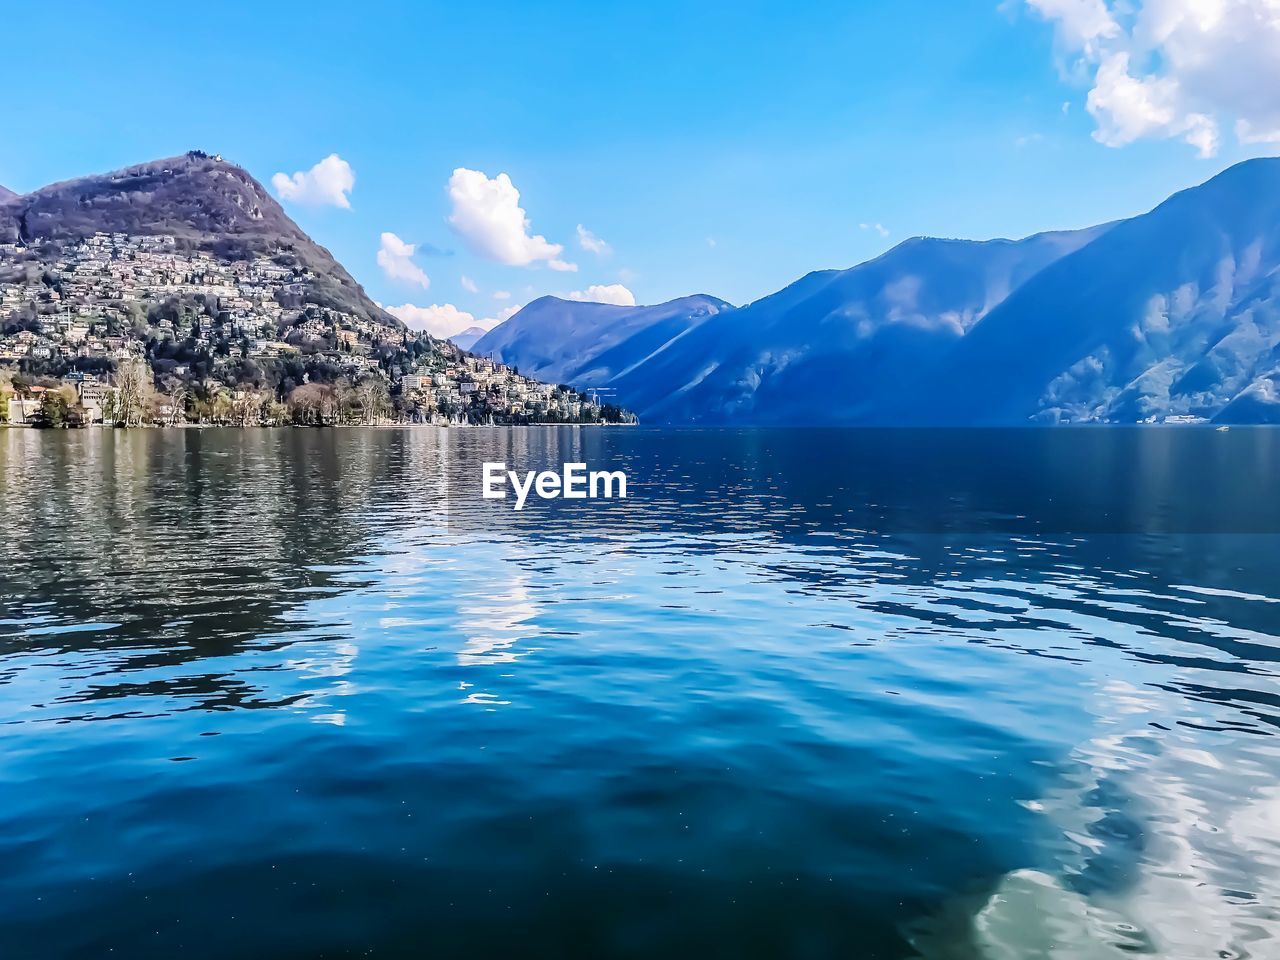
x,y
725,150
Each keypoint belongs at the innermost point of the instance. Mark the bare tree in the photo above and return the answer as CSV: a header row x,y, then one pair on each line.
x,y
330,409
6,391
133,391
176,394
223,408
374,400
248,409
274,412
347,400
310,402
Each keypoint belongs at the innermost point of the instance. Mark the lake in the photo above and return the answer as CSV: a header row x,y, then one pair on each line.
x,y
813,693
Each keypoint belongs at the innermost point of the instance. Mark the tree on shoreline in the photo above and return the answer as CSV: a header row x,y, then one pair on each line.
x,y
133,393
312,404
175,400
373,398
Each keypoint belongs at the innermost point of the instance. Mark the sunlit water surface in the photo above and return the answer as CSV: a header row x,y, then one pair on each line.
x,y
303,693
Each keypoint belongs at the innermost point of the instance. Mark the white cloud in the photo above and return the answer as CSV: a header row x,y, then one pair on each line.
x,y
504,314
395,257
440,319
1247,133
604,293
1129,108
1174,69
325,184
879,228
488,216
502,294
469,285
1080,24
443,320
591,243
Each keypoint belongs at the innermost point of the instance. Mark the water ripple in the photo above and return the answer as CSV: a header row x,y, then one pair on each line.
x,y
305,690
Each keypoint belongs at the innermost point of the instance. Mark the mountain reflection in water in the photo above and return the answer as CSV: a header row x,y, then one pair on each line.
x,y
808,693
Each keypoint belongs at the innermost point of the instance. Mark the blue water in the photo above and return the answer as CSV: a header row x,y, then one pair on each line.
x,y
303,693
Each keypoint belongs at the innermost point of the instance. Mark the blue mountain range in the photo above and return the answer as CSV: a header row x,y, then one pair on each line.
x,y
1171,315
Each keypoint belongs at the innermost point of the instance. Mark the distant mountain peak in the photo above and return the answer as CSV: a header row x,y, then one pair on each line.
x,y
1244,172
566,341
6,194
466,339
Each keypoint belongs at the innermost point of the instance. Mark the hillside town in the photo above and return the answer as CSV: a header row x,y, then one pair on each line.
x,y
138,330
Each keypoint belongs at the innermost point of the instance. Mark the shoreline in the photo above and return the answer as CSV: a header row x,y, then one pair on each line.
x,y
302,426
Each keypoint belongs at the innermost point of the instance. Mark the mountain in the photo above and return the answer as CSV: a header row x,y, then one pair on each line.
x,y
467,338
6,194
1172,313
591,344
204,202
826,347
186,268
781,358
